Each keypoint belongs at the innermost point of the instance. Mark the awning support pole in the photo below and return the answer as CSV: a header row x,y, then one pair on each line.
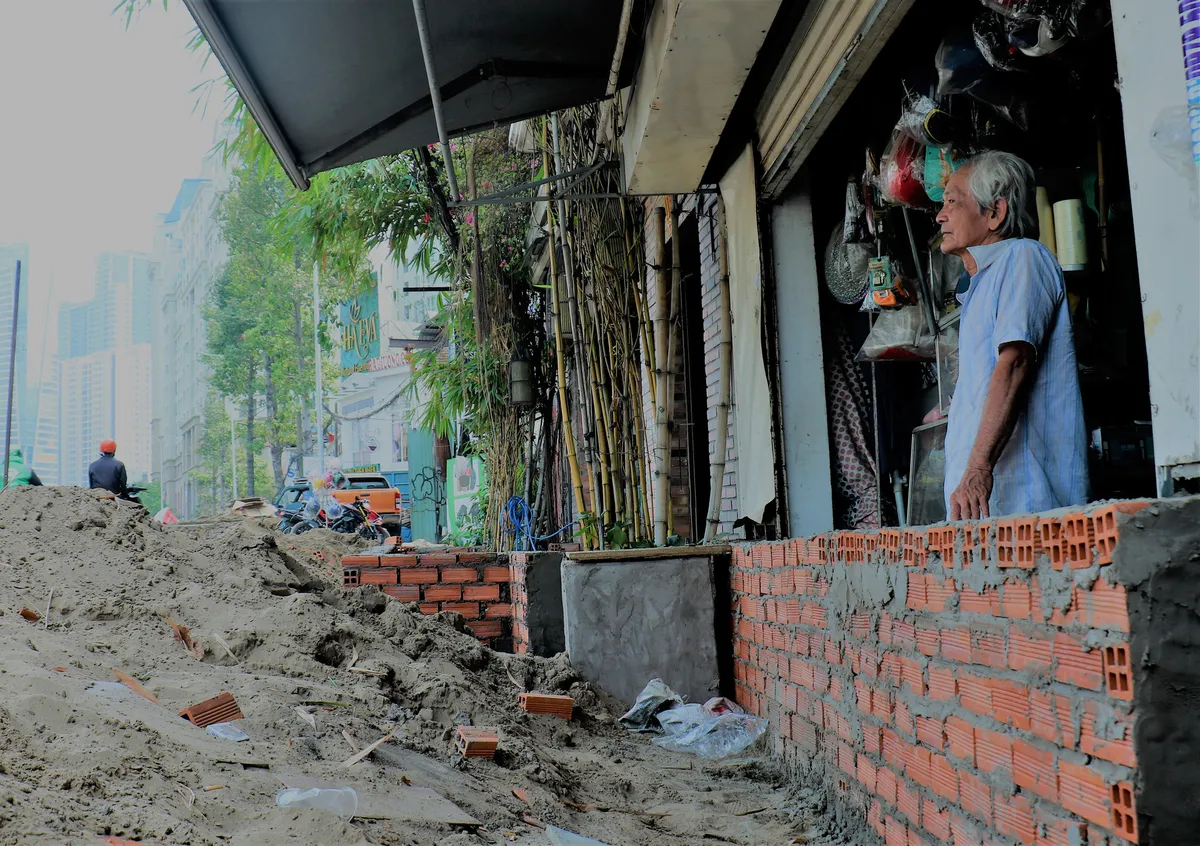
x,y
435,95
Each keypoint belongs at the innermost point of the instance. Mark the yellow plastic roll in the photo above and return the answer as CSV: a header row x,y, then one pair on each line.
x,y
1046,221
1069,234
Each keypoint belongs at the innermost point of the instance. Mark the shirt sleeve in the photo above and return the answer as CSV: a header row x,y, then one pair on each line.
x,y
1030,294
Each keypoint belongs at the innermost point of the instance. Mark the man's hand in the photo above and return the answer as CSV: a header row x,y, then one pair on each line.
x,y
970,499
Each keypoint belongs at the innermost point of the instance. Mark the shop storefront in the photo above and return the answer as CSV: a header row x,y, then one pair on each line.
x,y
870,109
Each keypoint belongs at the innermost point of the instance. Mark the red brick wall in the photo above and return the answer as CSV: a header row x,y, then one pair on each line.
x,y
473,584
520,602
967,684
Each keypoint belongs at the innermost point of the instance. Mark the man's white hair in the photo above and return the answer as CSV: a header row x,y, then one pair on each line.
x,y
994,175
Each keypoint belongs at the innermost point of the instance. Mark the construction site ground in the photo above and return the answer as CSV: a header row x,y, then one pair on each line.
x,y
318,671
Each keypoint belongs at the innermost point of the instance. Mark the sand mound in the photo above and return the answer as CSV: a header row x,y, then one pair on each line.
x,y
82,756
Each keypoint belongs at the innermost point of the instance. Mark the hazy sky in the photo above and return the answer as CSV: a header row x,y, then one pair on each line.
x,y
97,129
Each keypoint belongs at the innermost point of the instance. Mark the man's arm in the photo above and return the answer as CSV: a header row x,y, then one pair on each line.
x,y
1003,405
122,480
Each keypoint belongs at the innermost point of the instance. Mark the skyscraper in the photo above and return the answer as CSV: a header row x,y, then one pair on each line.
x,y
105,369
24,412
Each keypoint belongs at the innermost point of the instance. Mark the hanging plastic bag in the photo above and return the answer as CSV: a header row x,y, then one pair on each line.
x,y
902,171
898,335
854,224
940,164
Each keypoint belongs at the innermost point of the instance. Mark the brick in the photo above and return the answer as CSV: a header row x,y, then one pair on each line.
x,y
885,785
360,560
419,576
846,761
1077,534
989,648
443,593
956,645
975,798
875,818
404,593
943,777
1015,601
460,574
494,628
862,696
483,593
1053,542
438,559
1031,650
379,576
965,832
903,718
912,676
890,669
1118,749
1118,673
942,684
501,575
833,653
919,765
866,772
470,610
931,731
881,705
1060,832
929,640
993,751
1076,665
477,557
1050,718
894,749
1014,817
1082,791
430,608
1010,703
885,629
1103,606
903,634
1124,821
1104,527
896,832
985,602
908,801
1035,769
872,739
868,663
960,739
975,693
813,615
938,593
915,598
498,610
935,822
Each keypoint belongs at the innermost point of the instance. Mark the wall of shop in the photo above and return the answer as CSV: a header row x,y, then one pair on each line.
x,y
1022,680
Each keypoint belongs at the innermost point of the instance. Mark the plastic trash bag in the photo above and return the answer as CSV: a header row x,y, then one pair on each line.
x,y
940,164
561,837
166,517
898,335
342,801
681,719
655,697
227,731
713,737
721,705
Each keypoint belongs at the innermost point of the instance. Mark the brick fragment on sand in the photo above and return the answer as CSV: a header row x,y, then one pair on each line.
x,y
473,742
220,709
547,703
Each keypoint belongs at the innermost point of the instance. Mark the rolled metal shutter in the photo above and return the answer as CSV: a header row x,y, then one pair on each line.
x,y
832,49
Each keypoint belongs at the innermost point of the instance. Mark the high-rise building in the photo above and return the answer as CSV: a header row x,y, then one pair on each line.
x,y
105,371
47,439
24,411
190,253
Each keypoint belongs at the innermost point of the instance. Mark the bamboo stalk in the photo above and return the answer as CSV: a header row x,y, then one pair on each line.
x,y
673,330
564,409
661,328
724,375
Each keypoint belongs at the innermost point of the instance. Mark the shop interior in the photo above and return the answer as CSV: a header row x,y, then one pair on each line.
x,y
1038,79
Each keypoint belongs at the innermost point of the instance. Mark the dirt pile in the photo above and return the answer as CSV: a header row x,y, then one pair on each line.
x,y
317,671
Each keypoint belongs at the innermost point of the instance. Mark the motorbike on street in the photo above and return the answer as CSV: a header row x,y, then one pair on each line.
x,y
356,518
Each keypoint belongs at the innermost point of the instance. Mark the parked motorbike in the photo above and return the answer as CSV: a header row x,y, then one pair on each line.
x,y
355,518
131,494
289,521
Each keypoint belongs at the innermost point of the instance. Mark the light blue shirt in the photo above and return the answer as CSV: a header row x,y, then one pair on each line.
x,y
1018,294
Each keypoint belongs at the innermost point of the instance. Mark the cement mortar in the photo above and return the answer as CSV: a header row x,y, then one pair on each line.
x,y
1157,559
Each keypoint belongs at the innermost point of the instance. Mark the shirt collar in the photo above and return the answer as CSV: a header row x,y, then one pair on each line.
x,y
986,254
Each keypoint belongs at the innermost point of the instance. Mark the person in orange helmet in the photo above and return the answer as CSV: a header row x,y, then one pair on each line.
x,y
106,472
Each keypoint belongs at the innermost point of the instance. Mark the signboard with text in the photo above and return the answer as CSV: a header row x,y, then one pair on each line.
x,y
360,331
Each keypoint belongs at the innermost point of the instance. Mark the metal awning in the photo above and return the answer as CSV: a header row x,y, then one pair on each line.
x,y
332,82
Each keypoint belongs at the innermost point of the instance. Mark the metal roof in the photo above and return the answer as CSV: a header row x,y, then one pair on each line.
x,y
332,82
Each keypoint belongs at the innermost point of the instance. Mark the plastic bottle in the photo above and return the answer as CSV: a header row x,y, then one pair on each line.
x,y
342,801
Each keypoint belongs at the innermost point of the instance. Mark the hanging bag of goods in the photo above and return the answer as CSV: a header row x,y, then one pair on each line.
x,y
902,171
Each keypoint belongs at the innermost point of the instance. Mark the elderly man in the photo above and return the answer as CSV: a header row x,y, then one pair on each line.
x,y
1015,440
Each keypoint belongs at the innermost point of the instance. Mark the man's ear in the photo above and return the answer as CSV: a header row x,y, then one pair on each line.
x,y
998,214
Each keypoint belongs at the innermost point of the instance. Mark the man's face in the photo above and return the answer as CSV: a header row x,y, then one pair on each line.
x,y
964,224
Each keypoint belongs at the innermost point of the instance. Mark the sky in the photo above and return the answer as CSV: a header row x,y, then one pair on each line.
x,y
98,127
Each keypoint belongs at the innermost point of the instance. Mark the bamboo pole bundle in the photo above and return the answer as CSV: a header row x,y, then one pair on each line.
x,y
564,408
725,373
661,328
